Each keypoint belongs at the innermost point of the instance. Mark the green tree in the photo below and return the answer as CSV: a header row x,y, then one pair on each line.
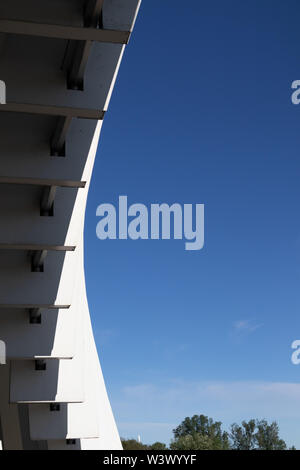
x,y
133,444
243,437
256,434
194,441
158,446
200,427
267,436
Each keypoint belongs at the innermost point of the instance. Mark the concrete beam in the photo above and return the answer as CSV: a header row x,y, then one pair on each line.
x,y
47,110
76,69
64,32
42,182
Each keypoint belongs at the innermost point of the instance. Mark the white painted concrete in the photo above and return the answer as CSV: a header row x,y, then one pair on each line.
x,y
31,68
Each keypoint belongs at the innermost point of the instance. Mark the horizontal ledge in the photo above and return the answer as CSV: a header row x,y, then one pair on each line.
x,y
44,402
6,246
40,358
64,438
30,306
42,182
56,31
48,110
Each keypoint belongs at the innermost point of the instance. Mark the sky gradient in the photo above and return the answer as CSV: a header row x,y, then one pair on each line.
x,y
202,113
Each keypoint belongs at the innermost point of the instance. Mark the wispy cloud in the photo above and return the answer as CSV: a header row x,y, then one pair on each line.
x,y
155,410
105,336
253,396
246,326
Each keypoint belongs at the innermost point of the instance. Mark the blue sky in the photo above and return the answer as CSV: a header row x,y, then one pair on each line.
x,y
202,113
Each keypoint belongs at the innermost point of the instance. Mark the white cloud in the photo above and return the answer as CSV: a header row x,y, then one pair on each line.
x,y
245,326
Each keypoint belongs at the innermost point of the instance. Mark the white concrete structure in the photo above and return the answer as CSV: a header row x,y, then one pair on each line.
x,y
59,60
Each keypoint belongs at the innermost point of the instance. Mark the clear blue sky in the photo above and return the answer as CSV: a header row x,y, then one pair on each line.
x,y
201,113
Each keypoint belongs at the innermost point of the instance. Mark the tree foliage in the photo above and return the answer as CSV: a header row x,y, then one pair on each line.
x,y
133,444
267,436
243,437
158,446
256,434
204,431
194,441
